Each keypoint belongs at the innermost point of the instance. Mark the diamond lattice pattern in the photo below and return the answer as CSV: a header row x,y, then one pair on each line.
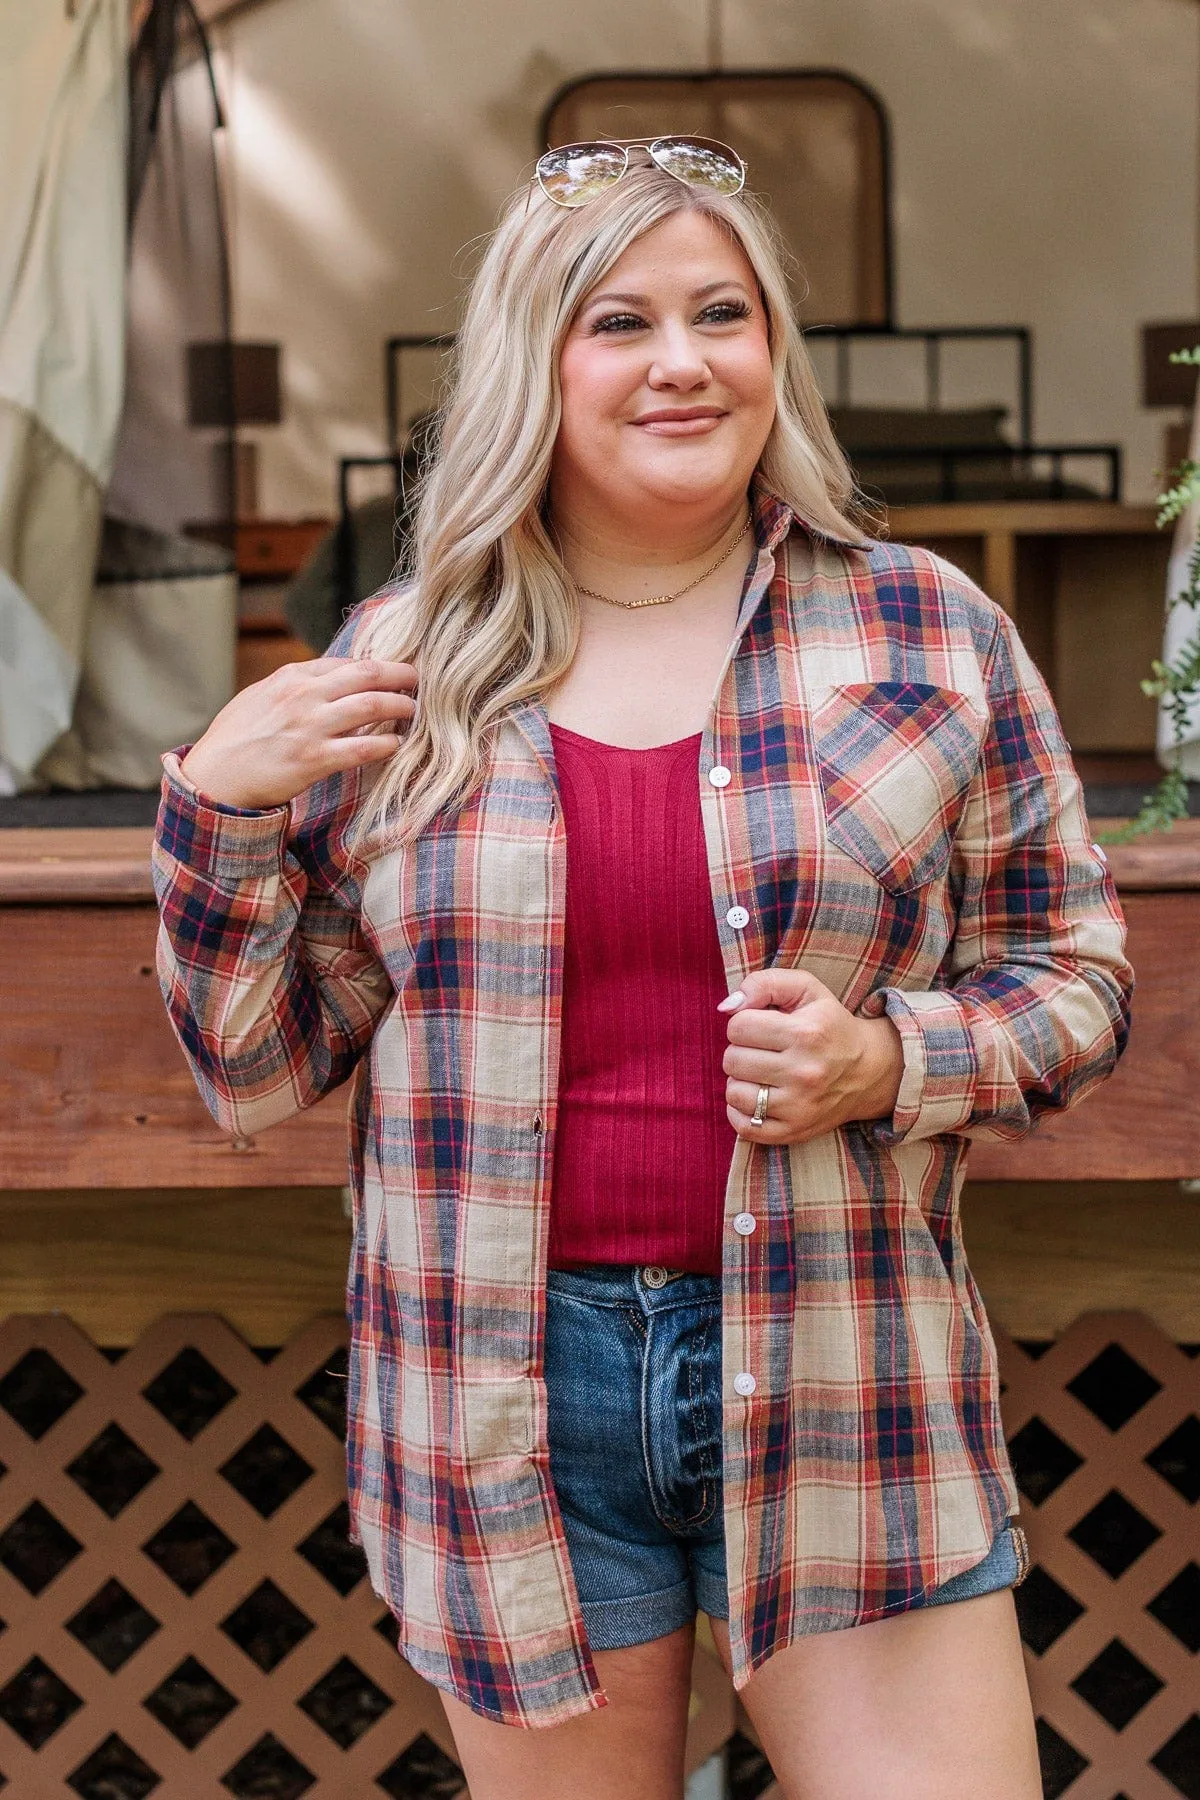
x,y
183,1612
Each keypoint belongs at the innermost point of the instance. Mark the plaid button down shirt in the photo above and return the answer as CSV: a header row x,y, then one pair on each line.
x,y
903,821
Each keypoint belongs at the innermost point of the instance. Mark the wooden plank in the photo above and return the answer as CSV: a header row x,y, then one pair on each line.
x,y
89,864
1055,518
1144,1123
1000,569
268,1260
271,1259
1044,1252
94,1091
1166,860
94,865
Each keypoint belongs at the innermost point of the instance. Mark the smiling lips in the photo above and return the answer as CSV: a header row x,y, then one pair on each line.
x,y
681,421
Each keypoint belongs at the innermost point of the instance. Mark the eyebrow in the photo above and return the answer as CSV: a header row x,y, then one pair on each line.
x,y
710,287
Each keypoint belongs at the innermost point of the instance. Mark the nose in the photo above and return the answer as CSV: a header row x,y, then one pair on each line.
x,y
679,361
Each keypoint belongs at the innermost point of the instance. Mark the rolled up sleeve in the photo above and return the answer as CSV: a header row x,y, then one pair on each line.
x,y
1035,1008
270,985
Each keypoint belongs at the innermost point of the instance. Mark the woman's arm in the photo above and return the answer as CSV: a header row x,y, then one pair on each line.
x,y
270,983
1036,1011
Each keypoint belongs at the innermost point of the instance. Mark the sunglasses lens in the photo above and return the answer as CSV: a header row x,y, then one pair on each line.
x,y
578,172
700,162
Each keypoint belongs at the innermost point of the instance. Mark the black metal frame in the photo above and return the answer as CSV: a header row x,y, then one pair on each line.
x,y
393,350
345,567
933,337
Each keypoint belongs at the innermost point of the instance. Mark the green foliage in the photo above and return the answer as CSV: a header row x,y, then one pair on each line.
x,y
1175,685
1177,499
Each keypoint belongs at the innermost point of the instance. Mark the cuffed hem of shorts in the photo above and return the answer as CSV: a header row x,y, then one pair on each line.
x,y
617,1624
712,1593
1005,1566
1002,1567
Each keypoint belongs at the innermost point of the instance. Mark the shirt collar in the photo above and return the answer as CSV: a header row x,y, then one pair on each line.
x,y
774,518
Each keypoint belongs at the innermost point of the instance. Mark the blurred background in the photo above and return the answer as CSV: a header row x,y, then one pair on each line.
x,y
992,215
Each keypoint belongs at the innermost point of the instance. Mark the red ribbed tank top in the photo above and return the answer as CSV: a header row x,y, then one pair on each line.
x,y
643,1146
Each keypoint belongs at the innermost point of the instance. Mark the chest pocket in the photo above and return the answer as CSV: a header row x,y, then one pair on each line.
x,y
896,759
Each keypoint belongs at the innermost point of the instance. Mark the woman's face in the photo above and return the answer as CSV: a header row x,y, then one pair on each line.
x,y
667,390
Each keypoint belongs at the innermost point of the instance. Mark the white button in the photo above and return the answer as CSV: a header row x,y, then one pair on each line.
x,y
1099,853
737,916
744,1383
719,775
744,1224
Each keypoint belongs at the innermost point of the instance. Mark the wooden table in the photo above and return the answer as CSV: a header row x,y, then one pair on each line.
x,y
94,1091
1084,580
989,534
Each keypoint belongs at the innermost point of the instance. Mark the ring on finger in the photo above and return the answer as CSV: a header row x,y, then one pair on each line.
x,y
759,1115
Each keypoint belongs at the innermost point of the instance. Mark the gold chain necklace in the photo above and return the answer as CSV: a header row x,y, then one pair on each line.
x,y
662,599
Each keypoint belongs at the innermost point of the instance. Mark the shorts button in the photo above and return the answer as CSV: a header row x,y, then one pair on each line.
x,y
654,1275
744,1383
744,1224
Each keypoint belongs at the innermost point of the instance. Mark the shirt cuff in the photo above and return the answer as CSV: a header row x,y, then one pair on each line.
x,y
231,843
937,1088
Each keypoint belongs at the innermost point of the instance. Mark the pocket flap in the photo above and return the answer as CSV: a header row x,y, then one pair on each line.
x,y
896,759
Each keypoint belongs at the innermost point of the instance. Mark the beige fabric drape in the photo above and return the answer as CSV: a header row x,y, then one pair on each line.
x,y
62,285
158,660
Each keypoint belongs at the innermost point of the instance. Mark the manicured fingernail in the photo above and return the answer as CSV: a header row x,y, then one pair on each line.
x,y
730,1001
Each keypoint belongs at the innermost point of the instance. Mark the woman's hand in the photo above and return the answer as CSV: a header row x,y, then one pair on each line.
x,y
823,1065
305,721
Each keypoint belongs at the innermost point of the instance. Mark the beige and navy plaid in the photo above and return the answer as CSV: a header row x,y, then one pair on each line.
x,y
903,821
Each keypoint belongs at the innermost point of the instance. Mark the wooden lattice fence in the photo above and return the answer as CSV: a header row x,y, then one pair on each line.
x,y
1105,1438
183,1614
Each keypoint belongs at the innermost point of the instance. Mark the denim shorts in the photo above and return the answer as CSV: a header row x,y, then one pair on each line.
x,y
633,1378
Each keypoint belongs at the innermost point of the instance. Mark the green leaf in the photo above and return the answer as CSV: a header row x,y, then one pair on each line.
x,y
1175,685
1178,498
1160,810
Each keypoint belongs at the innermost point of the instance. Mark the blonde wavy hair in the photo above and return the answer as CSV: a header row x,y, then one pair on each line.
x,y
488,614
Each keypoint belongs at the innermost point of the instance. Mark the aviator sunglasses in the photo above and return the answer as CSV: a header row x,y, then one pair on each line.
x,y
576,173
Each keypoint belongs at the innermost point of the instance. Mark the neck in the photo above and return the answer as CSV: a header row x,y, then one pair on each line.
x,y
613,552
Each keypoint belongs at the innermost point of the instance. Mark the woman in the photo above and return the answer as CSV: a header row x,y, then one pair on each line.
x,y
683,878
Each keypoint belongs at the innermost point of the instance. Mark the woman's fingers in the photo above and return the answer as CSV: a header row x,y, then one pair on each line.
x,y
738,1109
376,707
337,676
761,1028
294,727
790,1118
744,1094
352,752
753,1065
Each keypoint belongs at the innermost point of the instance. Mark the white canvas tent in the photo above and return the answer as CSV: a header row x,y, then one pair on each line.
x,y
62,245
